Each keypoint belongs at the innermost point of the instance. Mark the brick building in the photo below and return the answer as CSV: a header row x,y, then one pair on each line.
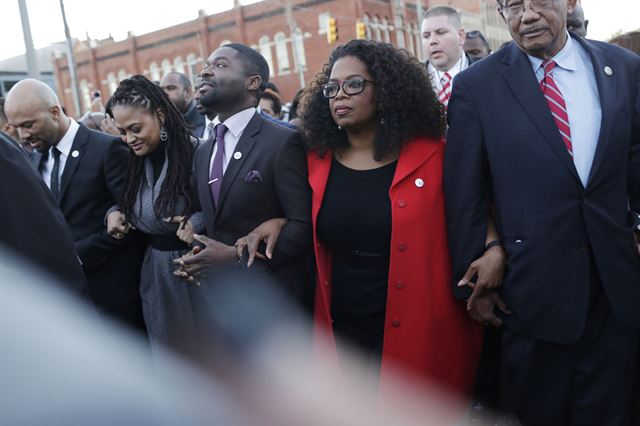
x,y
264,26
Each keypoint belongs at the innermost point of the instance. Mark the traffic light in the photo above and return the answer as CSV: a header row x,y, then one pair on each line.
x,y
332,31
361,30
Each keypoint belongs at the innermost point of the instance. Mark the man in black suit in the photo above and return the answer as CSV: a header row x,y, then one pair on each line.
x,y
547,131
85,171
178,88
260,174
32,224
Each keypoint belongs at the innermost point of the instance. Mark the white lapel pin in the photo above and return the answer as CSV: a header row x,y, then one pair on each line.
x,y
75,153
419,183
237,155
608,70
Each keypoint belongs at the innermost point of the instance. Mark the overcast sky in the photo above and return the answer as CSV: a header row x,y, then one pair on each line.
x,y
117,17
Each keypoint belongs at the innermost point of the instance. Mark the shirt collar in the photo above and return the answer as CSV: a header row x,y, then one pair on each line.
x,y
565,58
64,146
237,122
453,71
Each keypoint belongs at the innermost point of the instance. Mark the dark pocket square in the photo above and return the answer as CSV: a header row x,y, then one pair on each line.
x,y
253,176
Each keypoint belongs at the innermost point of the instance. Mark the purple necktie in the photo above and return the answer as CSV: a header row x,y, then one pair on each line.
x,y
217,170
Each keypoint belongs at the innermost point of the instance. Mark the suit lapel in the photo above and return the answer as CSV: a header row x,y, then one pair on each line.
x,y
319,169
79,145
607,94
244,148
414,155
524,85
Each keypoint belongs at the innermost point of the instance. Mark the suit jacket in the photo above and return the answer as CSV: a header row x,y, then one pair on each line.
x,y
91,183
32,224
421,313
504,147
269,180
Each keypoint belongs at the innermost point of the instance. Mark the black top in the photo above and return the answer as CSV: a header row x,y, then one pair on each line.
x,y
355,224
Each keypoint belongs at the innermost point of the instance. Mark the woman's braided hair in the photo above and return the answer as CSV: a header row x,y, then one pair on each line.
x,y
138,91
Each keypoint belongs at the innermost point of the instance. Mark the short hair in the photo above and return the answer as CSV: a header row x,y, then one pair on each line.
x,y
253,62
275,100
448,11
478,34
273,87
183,78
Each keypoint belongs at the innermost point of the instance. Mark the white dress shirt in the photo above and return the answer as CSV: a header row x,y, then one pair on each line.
x,y
64,146
436,76
577,82
235,127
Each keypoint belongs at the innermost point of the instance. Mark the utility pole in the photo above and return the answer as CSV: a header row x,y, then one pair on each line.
x,y
419,12
296,37
71,63
32,63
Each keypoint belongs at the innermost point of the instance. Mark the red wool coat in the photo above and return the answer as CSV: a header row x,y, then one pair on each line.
x,y
427,332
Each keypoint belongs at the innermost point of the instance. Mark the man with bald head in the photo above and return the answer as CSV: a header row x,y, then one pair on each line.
x,y
576,21
85,172
178,88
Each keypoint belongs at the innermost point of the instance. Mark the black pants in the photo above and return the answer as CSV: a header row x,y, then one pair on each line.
x,y
585,383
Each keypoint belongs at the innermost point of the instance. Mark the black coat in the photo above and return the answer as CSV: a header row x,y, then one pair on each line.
x,y
91,183
33,226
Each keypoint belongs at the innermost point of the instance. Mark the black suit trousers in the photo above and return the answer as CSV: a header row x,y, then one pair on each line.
x,y
584,383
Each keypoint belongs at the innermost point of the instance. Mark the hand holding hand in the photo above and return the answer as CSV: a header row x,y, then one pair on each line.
x,y
214,254
489,269
268,232
482,309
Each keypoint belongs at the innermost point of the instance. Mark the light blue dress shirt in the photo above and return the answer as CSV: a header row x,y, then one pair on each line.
x,y
576,80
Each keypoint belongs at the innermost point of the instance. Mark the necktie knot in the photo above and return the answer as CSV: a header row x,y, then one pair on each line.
x,y
548,66
56,152
221,129
446,78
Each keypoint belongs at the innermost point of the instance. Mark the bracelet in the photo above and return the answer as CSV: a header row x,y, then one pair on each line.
x,y
493,243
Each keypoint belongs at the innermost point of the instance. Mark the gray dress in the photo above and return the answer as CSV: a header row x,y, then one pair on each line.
x,y
165,299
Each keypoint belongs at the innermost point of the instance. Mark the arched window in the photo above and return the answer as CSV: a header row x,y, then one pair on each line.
x,y
84,93
178,64
154,72
385,30
298,45
192,63
410,45
400,32
112,83
367,26
418,38
377,35
282,53
166,67
264,46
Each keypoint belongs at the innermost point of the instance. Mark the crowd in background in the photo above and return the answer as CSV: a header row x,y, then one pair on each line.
x,y
472,221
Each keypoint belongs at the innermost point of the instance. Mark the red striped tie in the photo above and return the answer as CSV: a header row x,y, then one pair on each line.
x,y
556,104
445,92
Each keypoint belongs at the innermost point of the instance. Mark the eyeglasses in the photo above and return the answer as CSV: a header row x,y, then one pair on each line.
x,y
515,8
349,87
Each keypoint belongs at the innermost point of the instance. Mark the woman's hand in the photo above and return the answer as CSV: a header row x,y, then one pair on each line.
x,y
185,228
268,232
489,269
117,225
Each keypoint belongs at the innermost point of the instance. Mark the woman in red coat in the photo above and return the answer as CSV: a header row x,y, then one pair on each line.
x,y
375,129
